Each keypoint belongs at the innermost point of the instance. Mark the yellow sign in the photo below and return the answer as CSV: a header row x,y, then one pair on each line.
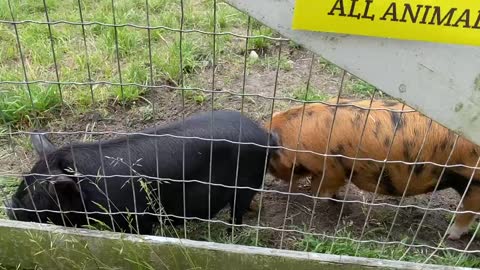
x,y
446,21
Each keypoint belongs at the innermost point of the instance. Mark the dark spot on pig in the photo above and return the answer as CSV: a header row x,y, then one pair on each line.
x,y
389,103
418,169
386,142
397,120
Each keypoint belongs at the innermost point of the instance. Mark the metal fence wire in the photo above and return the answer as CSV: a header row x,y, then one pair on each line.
x,y
93,70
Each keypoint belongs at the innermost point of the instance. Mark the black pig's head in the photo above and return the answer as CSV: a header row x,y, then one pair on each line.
x,y
47,190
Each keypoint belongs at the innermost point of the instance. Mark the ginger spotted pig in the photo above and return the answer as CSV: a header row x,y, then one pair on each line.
x,y
412,127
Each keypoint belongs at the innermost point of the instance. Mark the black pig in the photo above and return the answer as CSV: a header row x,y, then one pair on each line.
x,y
78,183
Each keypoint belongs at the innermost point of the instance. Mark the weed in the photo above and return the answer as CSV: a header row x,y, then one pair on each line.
x,y
293,45
21,106
219,233
97,61
272,62
360,87
146,112
475,230
8,186
329,67
312,95
168,61
344,246
135,74
195,95
260,44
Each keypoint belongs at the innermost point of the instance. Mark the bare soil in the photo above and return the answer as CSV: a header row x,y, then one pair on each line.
x,y
165,105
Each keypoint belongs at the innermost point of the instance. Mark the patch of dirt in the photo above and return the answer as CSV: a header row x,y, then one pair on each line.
x,y
165,105
326,216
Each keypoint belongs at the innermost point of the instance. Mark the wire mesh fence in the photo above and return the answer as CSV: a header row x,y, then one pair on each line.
x,y
363,175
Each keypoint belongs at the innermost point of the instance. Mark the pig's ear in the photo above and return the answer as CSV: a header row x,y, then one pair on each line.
x,y
62,184
41,144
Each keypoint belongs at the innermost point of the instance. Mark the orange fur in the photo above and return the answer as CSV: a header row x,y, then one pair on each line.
x,y
377,138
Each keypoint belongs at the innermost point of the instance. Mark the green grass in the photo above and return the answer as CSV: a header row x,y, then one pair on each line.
x,y
272,62
100,55
329,67
8,185
260,44
22,105
219,234
196,96
313,94
360,87
293,45
473,227
391,252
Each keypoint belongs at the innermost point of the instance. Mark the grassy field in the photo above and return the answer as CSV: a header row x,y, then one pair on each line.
x,y
129,54
96,77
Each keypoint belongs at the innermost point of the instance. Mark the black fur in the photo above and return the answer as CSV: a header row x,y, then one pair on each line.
x,y
387,183
386,142
458,182
293,115
301,170
348,172
418,169
340,150
407,147
376,131
443,145
389,103
396,120
357,119
143,165
41,144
